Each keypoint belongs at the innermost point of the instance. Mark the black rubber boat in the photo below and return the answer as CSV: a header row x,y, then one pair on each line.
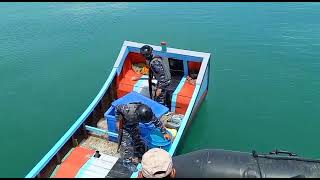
x,y
213,163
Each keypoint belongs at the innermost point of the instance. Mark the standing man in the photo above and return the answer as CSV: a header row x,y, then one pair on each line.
x,y
160,70
130,142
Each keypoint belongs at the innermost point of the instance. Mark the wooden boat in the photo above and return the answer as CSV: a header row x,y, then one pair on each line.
x,y
74,154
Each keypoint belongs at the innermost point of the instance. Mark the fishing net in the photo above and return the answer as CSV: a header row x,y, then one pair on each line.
x,y
172,120
140,68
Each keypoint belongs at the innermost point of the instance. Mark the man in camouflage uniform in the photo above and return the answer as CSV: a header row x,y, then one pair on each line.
x,y
132,146
161,72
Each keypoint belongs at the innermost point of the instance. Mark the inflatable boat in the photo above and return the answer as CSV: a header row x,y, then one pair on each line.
x,y
215,163
89,148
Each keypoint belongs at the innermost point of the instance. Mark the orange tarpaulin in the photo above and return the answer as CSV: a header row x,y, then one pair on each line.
x,y
70,167
184,97
126,84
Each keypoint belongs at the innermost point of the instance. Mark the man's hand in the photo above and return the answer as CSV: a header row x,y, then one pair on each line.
x,y
167,136
135,160
158,92
118,125
134,78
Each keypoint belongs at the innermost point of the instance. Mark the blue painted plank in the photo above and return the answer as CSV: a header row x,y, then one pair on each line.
x,y
185,68
184,121
169,50
204,85
209,70
176,92
169,55
120,55
120,60
203,67
101,131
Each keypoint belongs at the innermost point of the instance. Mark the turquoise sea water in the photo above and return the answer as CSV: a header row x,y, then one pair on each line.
x,y
264,85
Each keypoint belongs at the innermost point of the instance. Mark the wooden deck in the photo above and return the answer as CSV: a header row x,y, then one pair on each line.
x,y
101,144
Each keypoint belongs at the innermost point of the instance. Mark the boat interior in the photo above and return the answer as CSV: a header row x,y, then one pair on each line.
x,y
91,151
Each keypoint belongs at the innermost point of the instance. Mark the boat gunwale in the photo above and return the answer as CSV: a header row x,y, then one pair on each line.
x,y
126,48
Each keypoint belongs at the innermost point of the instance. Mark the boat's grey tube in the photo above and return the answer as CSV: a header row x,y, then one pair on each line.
x,y
230,164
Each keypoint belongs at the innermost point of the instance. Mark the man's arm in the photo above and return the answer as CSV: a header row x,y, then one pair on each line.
x,y
158,124
119,110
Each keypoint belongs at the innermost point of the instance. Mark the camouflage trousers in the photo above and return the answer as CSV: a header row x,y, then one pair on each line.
x,y
162,97
132,145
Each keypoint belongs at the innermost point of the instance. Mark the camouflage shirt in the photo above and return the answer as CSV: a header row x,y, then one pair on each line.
x,y
127,112
163,80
